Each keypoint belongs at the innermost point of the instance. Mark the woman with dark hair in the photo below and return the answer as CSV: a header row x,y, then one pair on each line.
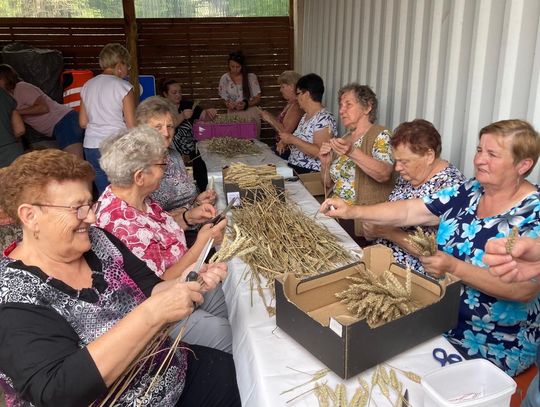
x,y
240,89
183,140
46,116
422,172
316,127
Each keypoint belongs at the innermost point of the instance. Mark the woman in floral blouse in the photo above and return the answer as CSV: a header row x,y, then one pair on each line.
x,y
359,165
317,126
417,148
497,320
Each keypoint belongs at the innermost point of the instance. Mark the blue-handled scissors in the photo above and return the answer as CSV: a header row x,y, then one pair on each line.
x,y
446,358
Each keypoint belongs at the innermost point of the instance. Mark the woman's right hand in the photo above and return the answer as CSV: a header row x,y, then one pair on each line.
x,y
200,214
187,113
325,153
175,301
337,208
215,232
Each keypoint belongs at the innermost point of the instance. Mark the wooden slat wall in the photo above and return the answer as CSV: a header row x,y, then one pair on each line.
x,y
192,50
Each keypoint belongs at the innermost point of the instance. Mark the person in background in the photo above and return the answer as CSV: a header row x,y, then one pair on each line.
x,y
316,127
521,264
134,162
240,90
107,105
176,193
490,205
11,129
287,121
42,113
183,140
77,307
359,165
416,146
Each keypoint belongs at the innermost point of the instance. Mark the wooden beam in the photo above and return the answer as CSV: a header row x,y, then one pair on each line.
x,y
130,27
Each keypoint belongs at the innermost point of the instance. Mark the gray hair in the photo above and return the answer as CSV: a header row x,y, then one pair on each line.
x,y
129,151
363,95
289,78
154,106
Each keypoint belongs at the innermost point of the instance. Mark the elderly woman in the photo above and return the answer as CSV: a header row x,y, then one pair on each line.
x,y
177,193
45,115
359,165
497,320
240,89
107,105
134,162
183,140
417,148
287,121
72,297
316,127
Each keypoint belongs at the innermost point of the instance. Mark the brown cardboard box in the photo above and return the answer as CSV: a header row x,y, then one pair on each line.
x,y
313,183
232,190
310,313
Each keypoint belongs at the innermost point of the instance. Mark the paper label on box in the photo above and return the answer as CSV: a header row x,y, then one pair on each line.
x,y
336,327
232,195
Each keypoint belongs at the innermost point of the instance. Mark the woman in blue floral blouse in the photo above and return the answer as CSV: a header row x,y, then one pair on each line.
x,y
497,320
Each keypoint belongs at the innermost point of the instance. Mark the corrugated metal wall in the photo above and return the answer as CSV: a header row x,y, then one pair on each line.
x,y
461,64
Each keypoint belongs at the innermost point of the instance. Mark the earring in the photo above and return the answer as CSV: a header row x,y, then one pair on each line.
x,y
36,234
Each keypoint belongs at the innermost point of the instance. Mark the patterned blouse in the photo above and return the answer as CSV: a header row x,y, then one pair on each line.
x,y
320,120
228,90
448,177
58,322
177,187
153,236
343,169
502,331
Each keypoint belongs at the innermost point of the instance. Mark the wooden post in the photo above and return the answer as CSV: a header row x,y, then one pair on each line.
x,y
130,27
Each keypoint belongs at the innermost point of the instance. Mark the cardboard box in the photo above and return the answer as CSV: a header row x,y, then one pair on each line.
x,y
310,313
208,130
232,190
313,183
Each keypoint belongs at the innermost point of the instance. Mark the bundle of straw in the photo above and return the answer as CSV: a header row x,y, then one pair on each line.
x,y
231,147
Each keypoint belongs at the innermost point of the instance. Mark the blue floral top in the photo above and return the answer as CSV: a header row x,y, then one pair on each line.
x,y
320,120
504,332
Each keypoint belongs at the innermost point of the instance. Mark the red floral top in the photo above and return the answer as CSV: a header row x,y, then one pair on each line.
x,y
153,236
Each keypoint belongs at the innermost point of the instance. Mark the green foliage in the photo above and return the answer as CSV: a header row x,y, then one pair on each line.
x,y
143,8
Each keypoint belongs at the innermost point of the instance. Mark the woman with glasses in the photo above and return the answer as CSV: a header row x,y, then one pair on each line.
x,y
416,146
135,162
107,105
177,192
77,307
316,127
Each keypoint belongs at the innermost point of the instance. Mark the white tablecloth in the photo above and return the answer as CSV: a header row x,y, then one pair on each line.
x,y
216,162
263,353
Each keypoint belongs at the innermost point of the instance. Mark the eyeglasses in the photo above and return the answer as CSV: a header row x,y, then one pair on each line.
x,y
81,210
160,164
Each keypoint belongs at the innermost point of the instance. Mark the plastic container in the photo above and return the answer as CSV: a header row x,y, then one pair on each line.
x,y
204,130
475,382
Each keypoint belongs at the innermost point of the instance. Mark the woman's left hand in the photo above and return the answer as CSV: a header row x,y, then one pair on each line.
x,y
439,264
213,231
341,146
286,138
200,214
212,275
372,231
207,197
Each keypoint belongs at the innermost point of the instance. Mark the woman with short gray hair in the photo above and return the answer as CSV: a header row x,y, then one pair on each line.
x,y
134,162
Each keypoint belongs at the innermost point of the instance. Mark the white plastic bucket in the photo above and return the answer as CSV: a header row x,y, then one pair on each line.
x,y
475,382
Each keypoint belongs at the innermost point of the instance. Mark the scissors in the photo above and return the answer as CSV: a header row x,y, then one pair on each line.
x,y
218,218
194,274
446,358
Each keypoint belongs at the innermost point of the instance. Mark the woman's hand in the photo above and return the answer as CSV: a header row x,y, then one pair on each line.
x,y
231,104
341,146
208,115
337,208
281,147
213,275
439,264
523,264
371,231
200,214
286,138
174,301
207,197
187,113
325,153
212,231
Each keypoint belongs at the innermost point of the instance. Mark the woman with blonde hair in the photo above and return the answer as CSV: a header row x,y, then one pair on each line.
x,y
107,105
